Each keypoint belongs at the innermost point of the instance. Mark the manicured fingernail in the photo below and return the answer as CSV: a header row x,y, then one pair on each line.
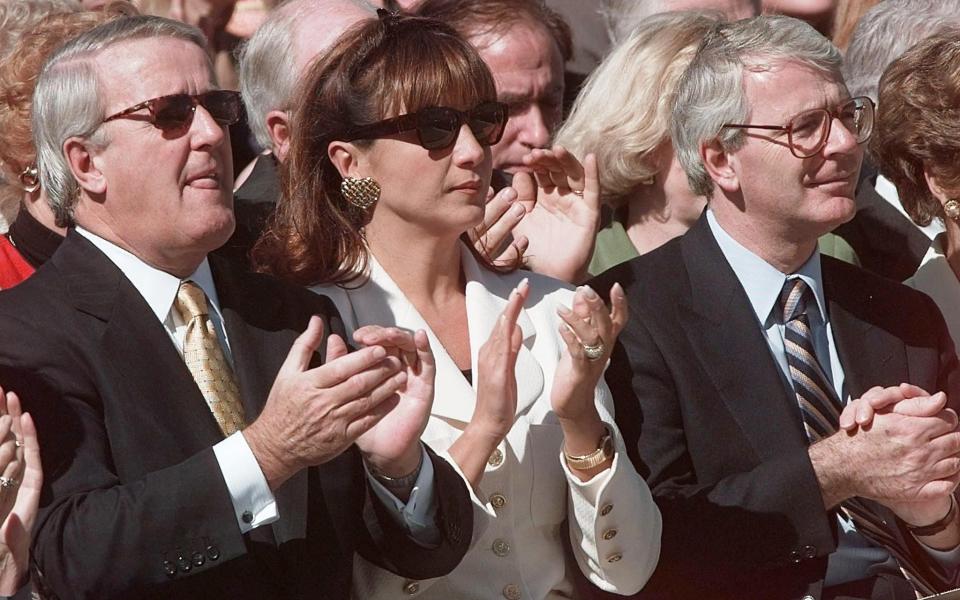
x,y
524,282
563,310
517,211
379,351
509,194
588,291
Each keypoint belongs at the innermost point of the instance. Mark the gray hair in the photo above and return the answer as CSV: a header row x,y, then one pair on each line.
x,y
710,93
886,31
623,112
621,17
17,16
268,75
68,99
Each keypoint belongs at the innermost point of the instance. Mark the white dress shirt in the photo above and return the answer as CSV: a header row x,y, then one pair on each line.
x,y
245,481
855,557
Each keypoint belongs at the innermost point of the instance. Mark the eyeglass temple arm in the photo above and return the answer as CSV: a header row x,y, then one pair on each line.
x,y
129,111
746,126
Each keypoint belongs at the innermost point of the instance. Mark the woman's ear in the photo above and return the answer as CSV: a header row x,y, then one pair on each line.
x,y
936,188
346,158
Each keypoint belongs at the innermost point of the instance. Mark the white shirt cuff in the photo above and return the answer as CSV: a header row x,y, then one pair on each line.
x,y
253,502
418,515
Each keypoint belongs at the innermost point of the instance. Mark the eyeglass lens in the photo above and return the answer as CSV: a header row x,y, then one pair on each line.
x,y
439,127
809,130
176,111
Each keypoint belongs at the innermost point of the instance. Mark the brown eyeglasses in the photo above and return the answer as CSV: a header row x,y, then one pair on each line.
x,y
176,111
807,133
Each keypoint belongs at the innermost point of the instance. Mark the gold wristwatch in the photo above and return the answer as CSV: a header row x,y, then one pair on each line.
x,y
599,456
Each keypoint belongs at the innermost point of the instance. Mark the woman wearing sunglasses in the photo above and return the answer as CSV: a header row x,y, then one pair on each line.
x,y
388,169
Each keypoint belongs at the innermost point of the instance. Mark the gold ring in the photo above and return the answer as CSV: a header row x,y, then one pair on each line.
x,y
594,351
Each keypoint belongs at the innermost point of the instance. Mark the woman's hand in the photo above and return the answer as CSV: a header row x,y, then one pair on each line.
x,y
392,446
563,212
20,464
589,331
496,404
494,237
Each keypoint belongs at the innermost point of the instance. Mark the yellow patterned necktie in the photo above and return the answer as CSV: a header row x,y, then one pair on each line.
x,y
205,359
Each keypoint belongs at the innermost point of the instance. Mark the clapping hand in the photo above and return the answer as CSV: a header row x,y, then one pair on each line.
x,y
19,491
392,446
563,212
496,403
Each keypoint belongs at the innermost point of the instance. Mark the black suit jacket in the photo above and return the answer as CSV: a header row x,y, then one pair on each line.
x,y
134,504
713,425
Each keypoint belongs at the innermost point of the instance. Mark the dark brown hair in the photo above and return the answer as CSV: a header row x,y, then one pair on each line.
x,y
375,70
918,123
478,17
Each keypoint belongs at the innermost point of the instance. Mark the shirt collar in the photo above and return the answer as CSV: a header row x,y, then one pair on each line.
x,y
157,287
761,280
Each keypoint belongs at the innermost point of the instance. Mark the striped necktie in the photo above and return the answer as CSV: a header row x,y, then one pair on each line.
x,y
820,408
205,359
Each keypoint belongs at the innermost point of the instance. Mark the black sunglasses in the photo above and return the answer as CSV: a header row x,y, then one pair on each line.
x,y
438,126
176,110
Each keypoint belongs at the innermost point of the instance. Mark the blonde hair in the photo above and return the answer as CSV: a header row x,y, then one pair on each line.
x,y
624,111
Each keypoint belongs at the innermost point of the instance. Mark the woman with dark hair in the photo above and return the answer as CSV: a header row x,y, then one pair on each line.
x,y
916,144
387,174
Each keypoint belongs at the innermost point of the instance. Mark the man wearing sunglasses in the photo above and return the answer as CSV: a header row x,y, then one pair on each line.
x,y
751,367
195,442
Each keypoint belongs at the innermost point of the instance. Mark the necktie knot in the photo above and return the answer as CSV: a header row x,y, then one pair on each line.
x,y
191,301
794,298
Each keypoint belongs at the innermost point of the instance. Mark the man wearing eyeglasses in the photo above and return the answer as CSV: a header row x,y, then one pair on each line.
x,y
737,374
194,445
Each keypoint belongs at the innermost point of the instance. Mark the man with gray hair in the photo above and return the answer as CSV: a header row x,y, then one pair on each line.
x,y
884,237
790,409
196,444
272,63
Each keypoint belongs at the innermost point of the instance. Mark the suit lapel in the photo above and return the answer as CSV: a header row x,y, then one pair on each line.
x,y
731,347
146,366
869,354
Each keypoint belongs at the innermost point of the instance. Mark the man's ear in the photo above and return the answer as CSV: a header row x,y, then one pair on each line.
x,y
81,157
345,158
720,166
278,125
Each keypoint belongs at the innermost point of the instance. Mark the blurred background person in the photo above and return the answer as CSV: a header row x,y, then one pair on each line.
x,y
916,144
271,65
525,44
374,214
623,16
882,233
34,235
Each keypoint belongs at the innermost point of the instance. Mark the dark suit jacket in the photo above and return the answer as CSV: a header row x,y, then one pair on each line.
x,y
885,241
134,503
254,203
714,427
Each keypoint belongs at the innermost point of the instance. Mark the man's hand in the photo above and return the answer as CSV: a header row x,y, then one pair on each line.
x,y
563,212
905,458
312,415
392,446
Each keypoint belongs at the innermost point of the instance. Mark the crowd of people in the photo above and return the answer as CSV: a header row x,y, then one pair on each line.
x,y
479,299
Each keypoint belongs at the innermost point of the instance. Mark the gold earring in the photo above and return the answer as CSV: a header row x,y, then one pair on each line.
x,y
362,192
951,208
30,179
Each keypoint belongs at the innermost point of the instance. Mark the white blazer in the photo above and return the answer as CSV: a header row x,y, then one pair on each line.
x,y
936,279
526,491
